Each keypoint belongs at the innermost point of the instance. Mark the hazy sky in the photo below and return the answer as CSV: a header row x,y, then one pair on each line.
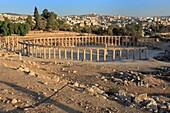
x,y
104,7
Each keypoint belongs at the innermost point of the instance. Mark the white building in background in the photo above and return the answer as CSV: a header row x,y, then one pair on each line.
x,y
1,17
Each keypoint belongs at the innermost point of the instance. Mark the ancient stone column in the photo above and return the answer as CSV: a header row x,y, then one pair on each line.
x,y
20,56
31,51
134,53
34,41
88,41
48,41
29,47
59,53
99,41
102,40
40,41
45,53
84,53
119,41
108,41
105,54
91,41
36,51
98,57
66,42
140,54
126,41
120,55
105,38
115,41
94,38
127,53
62,42
91,54
13,42
85,41
69,43
65,53
112,41
146,53
72,41
44,41
26,50
23,49
76,41
71,54
82,41
52,42
78,54
49,53
54,53
40,50
122,39
114,53
130,41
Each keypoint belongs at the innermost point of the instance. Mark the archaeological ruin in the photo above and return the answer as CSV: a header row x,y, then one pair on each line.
x,y
84,48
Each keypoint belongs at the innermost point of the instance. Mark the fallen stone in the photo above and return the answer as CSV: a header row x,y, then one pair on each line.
x,y
152,105
74,71
162,109
76,84
54,90
20,69
121,94
45,83
14,101
91,90
121,73
168,106
63,69
140,98
56,78
32,73
26,70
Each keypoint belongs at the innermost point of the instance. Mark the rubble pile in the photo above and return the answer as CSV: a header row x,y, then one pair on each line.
x,y
126,78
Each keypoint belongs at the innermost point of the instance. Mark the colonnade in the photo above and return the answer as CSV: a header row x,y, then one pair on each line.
x,y
88,41
10,43
92,48
85,53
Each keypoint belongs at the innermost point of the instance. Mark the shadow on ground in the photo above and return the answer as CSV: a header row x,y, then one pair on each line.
x,y
34,95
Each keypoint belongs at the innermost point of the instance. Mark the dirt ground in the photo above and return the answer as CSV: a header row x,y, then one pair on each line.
x,y
34,85
31,91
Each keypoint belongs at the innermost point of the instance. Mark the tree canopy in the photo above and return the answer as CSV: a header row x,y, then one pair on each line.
x,y
7,28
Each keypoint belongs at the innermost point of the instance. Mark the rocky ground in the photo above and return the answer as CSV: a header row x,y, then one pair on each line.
x,y
36,85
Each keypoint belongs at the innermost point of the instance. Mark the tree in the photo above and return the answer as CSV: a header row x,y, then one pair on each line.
x,y
4,28
30,22
15,28
1,23
11,28
23,29
37,18
45,13
51,21
43,24
110,30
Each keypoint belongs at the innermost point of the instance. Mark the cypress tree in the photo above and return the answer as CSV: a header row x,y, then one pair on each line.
x,y
37,18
